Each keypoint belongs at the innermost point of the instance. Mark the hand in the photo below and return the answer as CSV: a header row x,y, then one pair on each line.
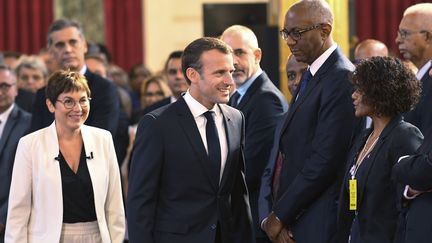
x,y
273,226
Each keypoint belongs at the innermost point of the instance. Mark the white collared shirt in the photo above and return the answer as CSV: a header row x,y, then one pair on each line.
x,y
83,70
315,66
422,71
198,110
4,117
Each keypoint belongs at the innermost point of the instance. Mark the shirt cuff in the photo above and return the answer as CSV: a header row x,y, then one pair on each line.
x,y
405,193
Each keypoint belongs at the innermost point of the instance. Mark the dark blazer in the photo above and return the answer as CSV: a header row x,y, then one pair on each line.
x,y
378,196
104,106
263,106
421,115
25,100
136,116
416,171
314,137
16,126
173,193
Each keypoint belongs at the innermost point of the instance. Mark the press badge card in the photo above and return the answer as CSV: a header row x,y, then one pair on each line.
x,y
353,194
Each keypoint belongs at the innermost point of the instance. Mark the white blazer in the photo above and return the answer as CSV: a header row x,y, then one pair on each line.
x,y
35,212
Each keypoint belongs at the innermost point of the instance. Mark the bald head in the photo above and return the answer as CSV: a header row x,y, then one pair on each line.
x,y
370,48
247,54
316,11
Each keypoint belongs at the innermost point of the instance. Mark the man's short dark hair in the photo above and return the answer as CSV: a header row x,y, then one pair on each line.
x,y
62,24
172,55
192,53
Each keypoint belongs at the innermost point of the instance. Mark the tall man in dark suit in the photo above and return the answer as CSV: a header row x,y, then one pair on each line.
x,y
415,171
300,186
415,44
263,106
186,181
14,123
67,44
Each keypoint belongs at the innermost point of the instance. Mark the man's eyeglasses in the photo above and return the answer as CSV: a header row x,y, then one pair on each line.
x,y
296,33
5,86
70,103
403,34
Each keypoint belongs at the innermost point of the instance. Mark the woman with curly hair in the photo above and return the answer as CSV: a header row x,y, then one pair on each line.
x,y
369,199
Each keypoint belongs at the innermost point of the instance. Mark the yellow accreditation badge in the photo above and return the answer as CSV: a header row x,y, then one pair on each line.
x,y
353,194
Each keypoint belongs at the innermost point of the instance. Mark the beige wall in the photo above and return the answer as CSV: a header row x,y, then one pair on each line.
x,y
171,24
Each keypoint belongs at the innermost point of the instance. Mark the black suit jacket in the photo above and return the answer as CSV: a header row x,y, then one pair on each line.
x,y
378,197
16,126
416,171
315,137
263,106
421,115
25,100
104,106
173,193
136,116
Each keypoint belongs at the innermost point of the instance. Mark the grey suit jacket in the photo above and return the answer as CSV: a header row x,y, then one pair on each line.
x,y
16,126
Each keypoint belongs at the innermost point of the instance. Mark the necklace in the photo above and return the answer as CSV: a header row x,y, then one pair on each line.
x,y
363,153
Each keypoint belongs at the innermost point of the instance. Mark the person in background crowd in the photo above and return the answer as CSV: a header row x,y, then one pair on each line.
x,y
137,74
384,89
370,48
14,123
294,71
31,73
66,182
414,39
263,106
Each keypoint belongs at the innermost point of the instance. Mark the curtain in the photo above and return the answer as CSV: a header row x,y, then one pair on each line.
x,y
124,31
24,24
380,20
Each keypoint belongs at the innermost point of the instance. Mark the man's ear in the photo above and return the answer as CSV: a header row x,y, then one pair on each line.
x,y
326,30
192,74
50,105
258,55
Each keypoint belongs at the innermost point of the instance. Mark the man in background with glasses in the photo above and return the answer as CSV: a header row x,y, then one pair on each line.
x,y
414,39
300,186
14,123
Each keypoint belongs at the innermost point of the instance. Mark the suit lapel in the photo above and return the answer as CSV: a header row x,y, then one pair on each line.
x,y
230,132
10,124
313,82
187,122
251,90
370,161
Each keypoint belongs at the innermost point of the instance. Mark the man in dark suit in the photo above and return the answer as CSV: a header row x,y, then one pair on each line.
x,y
300,186
263,106
186,181
14,123
415,44
67,44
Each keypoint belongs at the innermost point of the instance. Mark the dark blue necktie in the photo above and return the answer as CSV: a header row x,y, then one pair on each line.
x,y
307,75
213,145
233,101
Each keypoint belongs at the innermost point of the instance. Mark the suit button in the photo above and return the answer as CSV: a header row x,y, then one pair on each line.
x,y
213,227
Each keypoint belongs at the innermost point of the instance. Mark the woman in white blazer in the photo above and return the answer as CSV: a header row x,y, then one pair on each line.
x,y
66,183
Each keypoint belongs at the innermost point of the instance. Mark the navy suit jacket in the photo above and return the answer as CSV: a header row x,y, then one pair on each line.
x,y
416,171
104,106
421,115
25,100
16,126
314,137
378,196
263,106
173,193
137,115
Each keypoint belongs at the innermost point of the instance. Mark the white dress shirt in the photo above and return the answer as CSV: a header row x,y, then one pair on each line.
x,y
198,110
3,118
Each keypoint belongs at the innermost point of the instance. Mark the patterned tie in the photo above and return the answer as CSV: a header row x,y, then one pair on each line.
x,y
304,82
213,145
276,174
234,99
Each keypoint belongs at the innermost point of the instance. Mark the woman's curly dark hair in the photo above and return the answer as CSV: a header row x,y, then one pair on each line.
x,y
387,85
